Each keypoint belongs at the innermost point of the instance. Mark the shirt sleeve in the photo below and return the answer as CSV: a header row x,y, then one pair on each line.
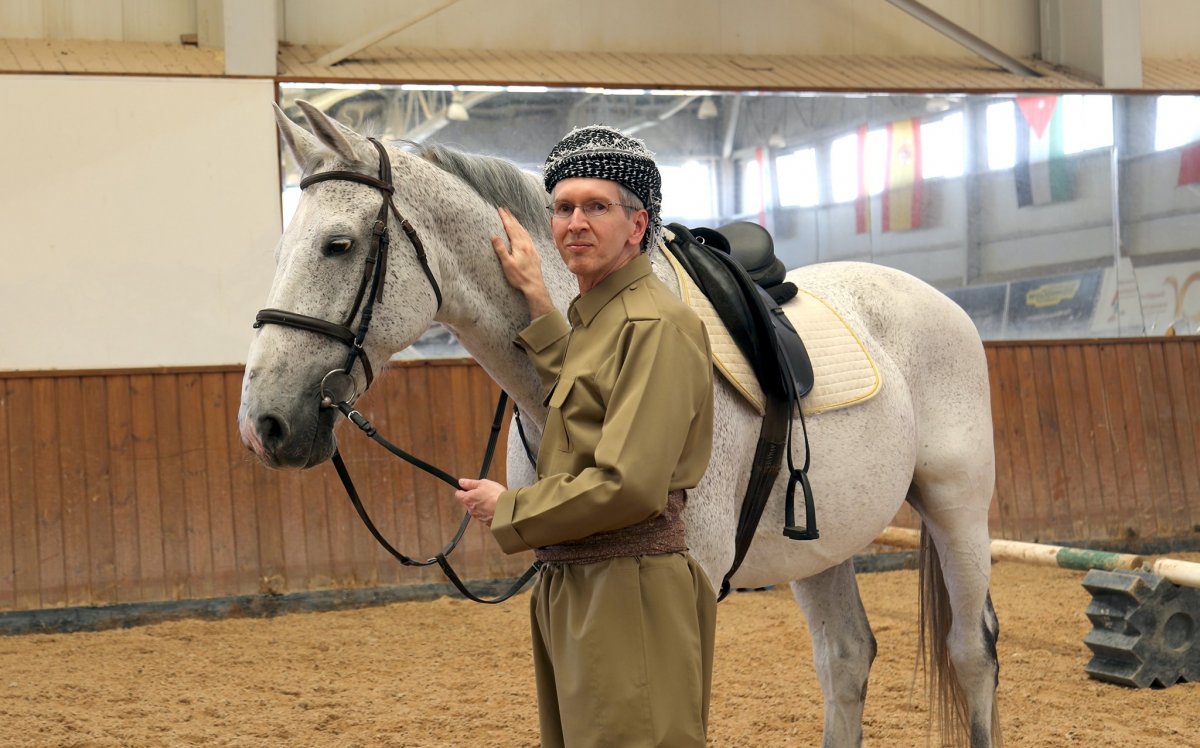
x,y
662,392
545,340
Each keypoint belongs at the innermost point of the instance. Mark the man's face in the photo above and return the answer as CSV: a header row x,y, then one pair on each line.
x,y
593,248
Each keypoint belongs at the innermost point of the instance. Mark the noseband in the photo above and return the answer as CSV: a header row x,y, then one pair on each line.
x,y
370,288
337,387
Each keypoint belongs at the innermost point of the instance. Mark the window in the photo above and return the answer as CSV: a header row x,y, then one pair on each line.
x,y
688,191
1176,121
753,193
943,147
797,178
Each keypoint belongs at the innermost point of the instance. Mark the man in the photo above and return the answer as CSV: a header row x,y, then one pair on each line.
x,y
622,616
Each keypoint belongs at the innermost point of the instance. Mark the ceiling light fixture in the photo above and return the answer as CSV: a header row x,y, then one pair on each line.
x,y
708,108
457,112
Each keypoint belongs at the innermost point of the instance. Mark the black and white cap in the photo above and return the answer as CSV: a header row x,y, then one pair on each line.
x,y
601,152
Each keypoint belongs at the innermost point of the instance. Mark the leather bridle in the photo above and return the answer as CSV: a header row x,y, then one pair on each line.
x,y
337,387
370,288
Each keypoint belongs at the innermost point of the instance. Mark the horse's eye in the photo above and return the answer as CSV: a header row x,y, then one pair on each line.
x,y
339,246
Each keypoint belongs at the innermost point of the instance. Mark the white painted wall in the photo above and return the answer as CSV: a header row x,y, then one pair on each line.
x,y
819,27
139,220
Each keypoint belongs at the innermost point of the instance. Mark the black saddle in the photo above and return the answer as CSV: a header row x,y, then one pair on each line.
x,y
749,307
746,294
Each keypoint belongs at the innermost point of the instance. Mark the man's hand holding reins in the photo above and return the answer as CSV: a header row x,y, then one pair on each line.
x,y
522,264
479,497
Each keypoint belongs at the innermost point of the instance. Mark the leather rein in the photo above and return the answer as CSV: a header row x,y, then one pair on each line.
x,y
338,388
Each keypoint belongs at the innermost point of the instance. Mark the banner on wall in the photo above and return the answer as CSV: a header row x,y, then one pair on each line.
x,y
1053,307
1151,300
1043,174
903,191
985,305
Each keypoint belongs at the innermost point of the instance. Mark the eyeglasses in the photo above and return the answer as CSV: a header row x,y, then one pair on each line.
x,y
563,210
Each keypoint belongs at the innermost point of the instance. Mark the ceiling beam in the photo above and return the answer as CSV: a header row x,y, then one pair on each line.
x,y
957,33
351,48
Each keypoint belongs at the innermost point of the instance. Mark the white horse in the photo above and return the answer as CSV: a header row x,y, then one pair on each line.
x,y
925,437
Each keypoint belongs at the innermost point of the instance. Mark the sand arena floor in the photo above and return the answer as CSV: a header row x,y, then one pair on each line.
x,y
451,673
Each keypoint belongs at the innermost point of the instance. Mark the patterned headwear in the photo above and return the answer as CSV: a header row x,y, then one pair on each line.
x,y
601,152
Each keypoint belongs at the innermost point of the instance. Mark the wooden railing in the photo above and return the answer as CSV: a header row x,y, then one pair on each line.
x,y
132,486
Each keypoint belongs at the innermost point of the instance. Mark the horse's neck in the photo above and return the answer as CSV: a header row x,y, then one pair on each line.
x,y
486,314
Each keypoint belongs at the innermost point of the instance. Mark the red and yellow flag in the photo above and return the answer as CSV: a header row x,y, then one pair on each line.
x,y
902,196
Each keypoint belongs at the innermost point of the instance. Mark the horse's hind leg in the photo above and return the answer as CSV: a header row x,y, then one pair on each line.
x,y
960,621
843,649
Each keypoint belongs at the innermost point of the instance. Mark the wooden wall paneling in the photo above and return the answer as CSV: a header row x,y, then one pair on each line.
x,y
1027,445
72,485
997,514
1075,491
390,482
1079,445
337,525
1182,368
170,484
469,437
268,505
441,426
243,499
1058,510
98,495
316,528
48,492
149,496
292,518
1108,374
1009,443
430,532
376,474
27,583
218,421
8,537
123,489
1107,512
194,487
1140,514
1156,452
1172,504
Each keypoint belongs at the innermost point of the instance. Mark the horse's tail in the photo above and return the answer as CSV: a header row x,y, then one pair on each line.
x,y
948,701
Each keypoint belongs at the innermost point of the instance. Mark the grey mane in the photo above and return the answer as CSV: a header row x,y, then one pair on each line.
x,y
498,182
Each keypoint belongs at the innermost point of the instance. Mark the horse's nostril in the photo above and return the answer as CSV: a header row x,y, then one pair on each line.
x,y
271,430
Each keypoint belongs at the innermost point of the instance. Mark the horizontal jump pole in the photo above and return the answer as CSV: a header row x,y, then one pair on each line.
x,y
1182,573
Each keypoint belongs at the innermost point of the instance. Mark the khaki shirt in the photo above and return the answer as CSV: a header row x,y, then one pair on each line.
x,y
630,394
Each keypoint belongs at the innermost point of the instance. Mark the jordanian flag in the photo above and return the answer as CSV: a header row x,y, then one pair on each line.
x,y
1043,175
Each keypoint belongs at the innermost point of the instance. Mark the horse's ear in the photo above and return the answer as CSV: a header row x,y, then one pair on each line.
x,y
343,141
303,145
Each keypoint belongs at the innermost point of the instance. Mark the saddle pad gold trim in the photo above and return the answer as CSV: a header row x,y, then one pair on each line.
x,y
844,372
726,355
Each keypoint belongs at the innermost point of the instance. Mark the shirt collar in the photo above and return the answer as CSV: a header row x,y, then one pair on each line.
x,y
585,308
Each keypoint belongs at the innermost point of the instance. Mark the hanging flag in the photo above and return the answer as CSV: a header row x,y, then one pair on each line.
x,y
903,193
862,203
1043,175
1189,165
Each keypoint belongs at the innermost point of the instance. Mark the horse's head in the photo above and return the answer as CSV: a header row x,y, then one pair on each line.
x,y
336,259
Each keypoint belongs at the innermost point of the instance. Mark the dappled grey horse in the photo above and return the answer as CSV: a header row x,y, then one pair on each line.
x,y
925,436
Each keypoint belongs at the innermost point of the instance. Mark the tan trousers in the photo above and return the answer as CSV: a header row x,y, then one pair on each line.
x,y
623,652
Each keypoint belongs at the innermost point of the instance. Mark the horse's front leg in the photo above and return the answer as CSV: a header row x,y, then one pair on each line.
x,y
843,649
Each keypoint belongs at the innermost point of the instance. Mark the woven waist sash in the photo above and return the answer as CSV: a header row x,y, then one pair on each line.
x,y
664,533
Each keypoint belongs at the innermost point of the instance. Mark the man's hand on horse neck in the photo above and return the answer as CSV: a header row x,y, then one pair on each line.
x,y
522,265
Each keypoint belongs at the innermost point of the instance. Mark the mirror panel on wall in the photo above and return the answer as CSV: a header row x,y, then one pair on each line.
x,y
1043,216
